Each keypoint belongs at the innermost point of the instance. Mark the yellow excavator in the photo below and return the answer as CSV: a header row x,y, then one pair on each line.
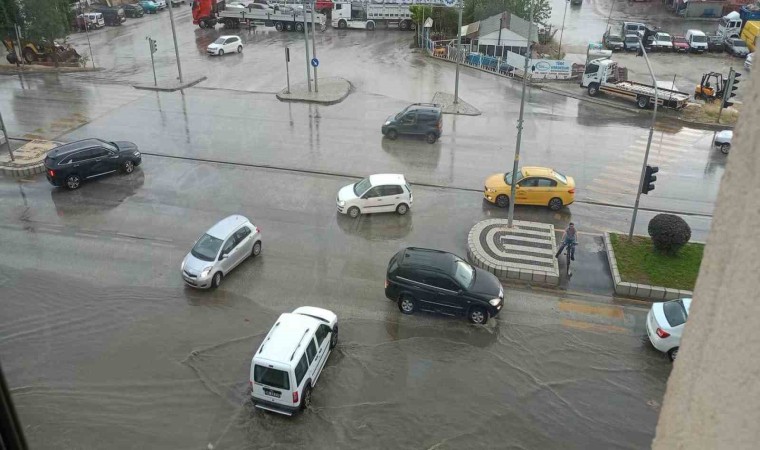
x,y
33,52
711,87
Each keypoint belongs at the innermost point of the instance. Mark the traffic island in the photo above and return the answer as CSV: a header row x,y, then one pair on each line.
x,y
27,159
169,87
331,90
523,253
449,107
639,271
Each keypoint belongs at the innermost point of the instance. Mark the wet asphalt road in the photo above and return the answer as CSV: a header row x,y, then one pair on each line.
x,y
103,345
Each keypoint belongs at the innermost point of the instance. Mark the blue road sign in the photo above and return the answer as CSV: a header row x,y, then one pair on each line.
x,y
314,62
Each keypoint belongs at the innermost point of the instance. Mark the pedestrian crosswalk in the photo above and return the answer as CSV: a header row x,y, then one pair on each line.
x,y
620,177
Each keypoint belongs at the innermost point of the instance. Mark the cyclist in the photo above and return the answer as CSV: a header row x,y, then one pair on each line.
x,y
569,237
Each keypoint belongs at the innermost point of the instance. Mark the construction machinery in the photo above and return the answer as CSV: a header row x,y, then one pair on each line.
x,y
711,87
43,52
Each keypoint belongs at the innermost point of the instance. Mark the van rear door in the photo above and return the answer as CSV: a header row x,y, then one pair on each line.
x,y
271,383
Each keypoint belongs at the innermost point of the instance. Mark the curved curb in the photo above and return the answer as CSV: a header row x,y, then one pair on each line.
x,y
342,88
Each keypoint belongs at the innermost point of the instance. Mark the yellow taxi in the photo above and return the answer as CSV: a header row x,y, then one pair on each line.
x,y
535,186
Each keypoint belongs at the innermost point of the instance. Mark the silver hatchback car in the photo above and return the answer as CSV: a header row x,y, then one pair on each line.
x,y
219,250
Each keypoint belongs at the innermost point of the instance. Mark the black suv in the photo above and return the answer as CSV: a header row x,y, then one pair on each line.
x,y
133,10
70,164
438,281
418,118
112,15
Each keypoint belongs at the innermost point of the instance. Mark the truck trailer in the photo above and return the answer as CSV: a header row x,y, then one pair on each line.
x,y
207,13
368,16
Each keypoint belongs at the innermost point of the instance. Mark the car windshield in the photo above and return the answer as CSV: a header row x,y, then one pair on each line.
x,y
206,248
664,37
508,177
220,40
614,39
675,312
697,38
560,177
463,272
362,187
271,377
739,43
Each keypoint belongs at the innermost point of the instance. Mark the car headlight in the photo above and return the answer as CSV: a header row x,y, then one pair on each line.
x,y
387,122
494,301
137,153
488,189
341,203
182,266
206,271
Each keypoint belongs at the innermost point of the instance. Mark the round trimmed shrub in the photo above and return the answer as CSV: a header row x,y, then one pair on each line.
x,y
669,233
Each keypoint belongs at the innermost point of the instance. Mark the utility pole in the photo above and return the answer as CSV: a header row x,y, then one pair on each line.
x,y
7,139
314,43
18,43
612,6
306,45
649,140
287,69
459,54
562,31
174,35
516,162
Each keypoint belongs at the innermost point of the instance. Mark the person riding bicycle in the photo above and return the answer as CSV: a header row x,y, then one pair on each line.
x,y
570,237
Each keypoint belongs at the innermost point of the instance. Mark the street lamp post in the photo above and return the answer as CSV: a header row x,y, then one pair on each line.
x,y
314,43
513,184
176,49
306,45
649,140
562,31
459,54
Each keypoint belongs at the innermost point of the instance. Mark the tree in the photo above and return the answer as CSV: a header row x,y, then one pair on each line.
x,y
45,21
9,14
475,10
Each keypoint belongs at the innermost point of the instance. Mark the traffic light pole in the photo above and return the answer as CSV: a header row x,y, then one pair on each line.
x,y
152,64
176,49
649,141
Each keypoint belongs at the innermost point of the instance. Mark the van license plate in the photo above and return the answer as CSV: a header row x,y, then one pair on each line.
x,y
272,393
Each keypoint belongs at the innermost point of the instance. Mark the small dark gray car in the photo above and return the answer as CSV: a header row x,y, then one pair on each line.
x,y
68,165
418,118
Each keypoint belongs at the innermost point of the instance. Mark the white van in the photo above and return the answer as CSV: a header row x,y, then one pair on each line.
x,y
288,363
697,40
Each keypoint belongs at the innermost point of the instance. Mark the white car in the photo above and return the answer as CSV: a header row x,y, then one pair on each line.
x,y
377,193
723,140
665,324
225,44
748,61
222,248
161,4
662,41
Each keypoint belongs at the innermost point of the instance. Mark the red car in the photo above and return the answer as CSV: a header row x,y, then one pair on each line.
x,y
680,44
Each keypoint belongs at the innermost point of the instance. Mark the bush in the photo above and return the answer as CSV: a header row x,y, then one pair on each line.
x,y
669,233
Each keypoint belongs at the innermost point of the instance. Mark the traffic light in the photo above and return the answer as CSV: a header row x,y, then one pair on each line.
x,y
731,86
649,179
153,46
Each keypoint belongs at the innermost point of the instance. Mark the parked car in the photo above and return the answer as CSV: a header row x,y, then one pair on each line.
x,y
290,360
149,6
68,165
665,323
736,47
376,193
133,10
219,250
89,21
420,279
723,140
161,4
697,40
113,15
176,3
631,42
535,186
225,44
662,41
613,42
632,28
680,44
715,44
748,61
424,119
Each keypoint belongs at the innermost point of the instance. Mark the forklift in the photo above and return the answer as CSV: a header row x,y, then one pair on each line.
x,y
711,87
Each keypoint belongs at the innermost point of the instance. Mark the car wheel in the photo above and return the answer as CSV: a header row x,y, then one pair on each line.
x,y
406,304
289,26
221,52
391,134
555,204
334,337
128,166
256,251
502,201
478,315
306,400
371,26
431,138
217,280
342,24
642,101
724,148
673,353
299,27
73,182
593,89
278,26
240,49
402,209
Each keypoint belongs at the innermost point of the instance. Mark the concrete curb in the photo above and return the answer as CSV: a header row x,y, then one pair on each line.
x,y
25,171
30,159
168,88
638,290
332,90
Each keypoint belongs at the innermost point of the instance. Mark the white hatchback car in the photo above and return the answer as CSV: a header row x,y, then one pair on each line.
x,y
222,248
378,193
225,44
665,323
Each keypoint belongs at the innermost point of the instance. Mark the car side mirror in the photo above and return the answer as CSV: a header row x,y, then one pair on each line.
x,y
517,186
223,256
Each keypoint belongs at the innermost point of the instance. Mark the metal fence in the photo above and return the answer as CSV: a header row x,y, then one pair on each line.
x,y
447,49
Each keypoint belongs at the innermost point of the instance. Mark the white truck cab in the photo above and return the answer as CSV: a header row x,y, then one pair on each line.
x,y
289,361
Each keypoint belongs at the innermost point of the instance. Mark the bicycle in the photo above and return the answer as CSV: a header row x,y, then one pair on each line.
x,y
568,250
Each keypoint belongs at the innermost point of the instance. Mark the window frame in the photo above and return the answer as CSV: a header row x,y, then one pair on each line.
x,y
311,348
320,329
301,360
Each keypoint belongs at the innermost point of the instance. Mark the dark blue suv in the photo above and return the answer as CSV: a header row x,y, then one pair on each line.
x,y
68,165
419,118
